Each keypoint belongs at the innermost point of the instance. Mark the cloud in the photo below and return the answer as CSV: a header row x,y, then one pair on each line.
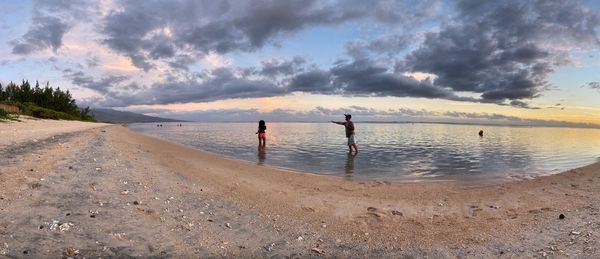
x,y
222,83
275,77
389,45
501,49
367,78
521,104
487,116
92,61
278,67
359,114
46,32
157,30
105,85
313,81
214,61
592,85
317,114
484,51
557,106
51,21
498,51
500,119
218,84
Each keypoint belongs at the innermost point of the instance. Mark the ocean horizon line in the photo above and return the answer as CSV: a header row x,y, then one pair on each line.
x,y
582,126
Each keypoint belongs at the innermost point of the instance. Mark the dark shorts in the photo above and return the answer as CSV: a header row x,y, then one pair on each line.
x,y
351,140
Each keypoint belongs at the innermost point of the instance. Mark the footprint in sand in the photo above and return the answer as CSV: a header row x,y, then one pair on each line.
x,y
512,214
308,209
538,211
379,183
372,211
473,209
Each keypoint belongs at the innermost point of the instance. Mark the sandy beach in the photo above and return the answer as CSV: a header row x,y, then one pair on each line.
x,y
74,189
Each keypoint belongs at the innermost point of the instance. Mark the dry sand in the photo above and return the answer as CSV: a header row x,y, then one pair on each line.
x,y
109,192
31,129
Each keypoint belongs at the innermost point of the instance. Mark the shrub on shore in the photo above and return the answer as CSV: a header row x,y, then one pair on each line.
x,y
3,114
43,113
7,116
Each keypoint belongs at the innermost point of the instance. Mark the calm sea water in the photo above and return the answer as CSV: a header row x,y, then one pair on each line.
x,y
396,151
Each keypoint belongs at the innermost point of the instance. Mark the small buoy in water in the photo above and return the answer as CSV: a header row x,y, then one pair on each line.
x,y
481,133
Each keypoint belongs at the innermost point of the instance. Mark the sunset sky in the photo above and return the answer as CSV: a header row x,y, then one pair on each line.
x,y
524,62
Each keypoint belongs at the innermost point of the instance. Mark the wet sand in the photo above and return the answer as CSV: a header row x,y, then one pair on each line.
x,y
110,192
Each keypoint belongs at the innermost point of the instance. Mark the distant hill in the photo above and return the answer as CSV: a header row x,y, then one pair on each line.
x,y
114,116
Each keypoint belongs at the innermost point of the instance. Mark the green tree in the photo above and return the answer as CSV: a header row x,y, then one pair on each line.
x,y
55,100
2,95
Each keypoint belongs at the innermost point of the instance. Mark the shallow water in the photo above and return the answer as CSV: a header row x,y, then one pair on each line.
x,y
396,150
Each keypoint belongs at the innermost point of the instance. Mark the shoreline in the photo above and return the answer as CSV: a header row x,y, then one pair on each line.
x,y
263,211
463,179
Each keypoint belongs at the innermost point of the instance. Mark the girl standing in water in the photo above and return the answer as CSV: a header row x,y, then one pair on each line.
x,y
262,136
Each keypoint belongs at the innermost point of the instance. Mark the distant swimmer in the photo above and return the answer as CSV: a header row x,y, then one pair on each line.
x,y
481,133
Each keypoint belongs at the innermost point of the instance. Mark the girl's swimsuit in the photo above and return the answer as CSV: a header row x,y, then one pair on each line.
x,y
262,135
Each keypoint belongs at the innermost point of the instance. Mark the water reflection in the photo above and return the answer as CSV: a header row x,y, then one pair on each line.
x,y
349,168
262,155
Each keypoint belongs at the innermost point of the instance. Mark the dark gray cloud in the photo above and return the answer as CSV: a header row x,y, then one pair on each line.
x,y
182,62
102,85
46,32
498,52
388,45
222,84
592,85
365,77
51,20
113,90
521,104
215,85
501,49
313,81
144,30
557,106
274,78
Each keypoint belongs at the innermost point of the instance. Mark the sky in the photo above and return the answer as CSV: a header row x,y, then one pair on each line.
x,y
500,62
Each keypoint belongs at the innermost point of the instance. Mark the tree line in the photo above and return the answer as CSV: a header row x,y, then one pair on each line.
x,y
46,97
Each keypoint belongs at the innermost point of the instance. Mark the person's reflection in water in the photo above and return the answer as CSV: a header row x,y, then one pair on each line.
x,y
349,168
262,155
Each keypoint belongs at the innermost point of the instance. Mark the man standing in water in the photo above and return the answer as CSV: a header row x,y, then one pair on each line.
x,y
349,132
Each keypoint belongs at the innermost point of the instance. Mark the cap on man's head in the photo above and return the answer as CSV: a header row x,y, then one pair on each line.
x,y
348,116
